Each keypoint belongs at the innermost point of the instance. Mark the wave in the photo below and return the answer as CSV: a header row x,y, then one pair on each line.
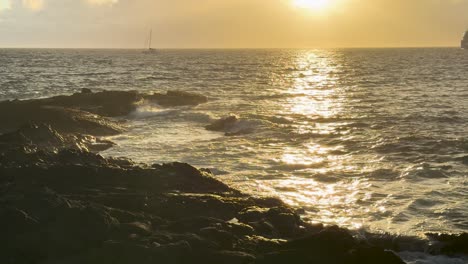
x,y
150,110
425,170
243,127
198,117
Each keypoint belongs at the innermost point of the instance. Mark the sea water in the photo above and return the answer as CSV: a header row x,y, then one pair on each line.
x,y
373,139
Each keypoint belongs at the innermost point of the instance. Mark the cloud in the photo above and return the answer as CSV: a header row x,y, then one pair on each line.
x,y
5,4
34,5
101,2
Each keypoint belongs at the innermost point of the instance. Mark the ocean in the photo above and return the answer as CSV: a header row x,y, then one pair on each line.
x,y
369,139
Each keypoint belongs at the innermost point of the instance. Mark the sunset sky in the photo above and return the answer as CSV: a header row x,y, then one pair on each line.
x,y
232,23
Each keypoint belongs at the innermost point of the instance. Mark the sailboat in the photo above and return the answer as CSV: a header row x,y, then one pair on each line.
x,y
150,50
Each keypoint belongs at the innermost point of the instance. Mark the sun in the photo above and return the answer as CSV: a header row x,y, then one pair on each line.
x,y
316,5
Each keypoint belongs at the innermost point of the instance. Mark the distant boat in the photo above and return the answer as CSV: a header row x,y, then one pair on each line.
x,y
150,49
464,42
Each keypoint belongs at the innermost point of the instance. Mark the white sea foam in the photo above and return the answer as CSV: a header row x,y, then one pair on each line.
x,y
149,110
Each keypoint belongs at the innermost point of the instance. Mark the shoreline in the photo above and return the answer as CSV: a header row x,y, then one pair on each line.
x,y
65,203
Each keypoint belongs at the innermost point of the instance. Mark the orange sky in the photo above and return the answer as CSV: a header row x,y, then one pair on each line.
x,y
231,23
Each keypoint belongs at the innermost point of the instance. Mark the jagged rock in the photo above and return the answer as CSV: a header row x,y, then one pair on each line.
x,y
272,220
44,137
105,103
51,225
85,112
98,210
14,115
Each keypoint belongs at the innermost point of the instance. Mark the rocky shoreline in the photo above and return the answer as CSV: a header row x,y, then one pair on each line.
x,y
61,202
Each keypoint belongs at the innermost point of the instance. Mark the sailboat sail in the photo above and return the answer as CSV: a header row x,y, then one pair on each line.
x,y
150,40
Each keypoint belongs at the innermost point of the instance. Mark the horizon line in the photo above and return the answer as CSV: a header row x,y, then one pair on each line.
x,y
233,48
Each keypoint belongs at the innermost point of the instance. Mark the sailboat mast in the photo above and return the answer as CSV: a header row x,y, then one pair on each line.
x,y
151,37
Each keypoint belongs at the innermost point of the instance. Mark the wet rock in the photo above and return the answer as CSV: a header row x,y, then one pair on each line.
x,y
182,176
194,223
230,257
85,112
331,239
138,228
23,223
53,226
86,91
231,126
14,115
218,235
44,137
284,220
177,98
371,255
129,252
449,244
272,221
73,206
223,124
105,103
78,228
332,245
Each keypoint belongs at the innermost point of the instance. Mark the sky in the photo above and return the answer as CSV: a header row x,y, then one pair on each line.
x,y
232,23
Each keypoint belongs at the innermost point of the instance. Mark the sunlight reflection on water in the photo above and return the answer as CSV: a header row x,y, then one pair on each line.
x,y
318,95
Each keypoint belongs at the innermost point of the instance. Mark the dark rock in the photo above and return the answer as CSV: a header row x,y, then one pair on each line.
x,y
182,176
105,103
230,257
85,112
73,206
450,244
13,116
231,126
194,223
240,229
330,239
287,256
176,98
44,137
371,255
272,221
221,237
138,228
86,91
78,228
223,124
23,223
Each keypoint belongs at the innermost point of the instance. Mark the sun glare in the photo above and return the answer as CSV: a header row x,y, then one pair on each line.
x,y
316,5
